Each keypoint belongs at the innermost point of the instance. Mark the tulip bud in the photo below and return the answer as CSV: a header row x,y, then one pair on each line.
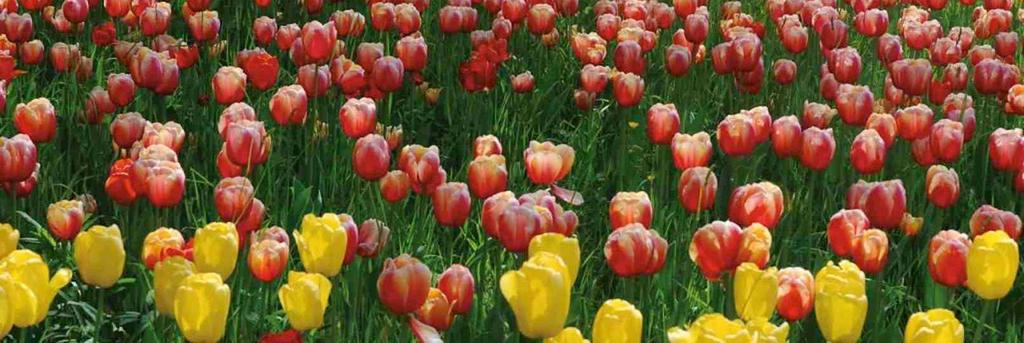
x,y
714,248
65,218
246,142
268,253
628,89
662,123
487,176
992,264
883,202
736,135
403,284
756,203
867,154
795,294
216,249
522,83
629,208
304,299
947,258
394,186
786,136
201,307
99,254
871,251
9,237
942,186
232,197
37,120
840,301
632,250
358,117
457,284
784,71
318,40
371,157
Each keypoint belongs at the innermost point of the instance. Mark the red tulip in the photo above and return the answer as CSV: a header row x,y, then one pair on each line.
x,y
871,251
493,207
630,208
31,52
289,105
817,115
714,248
844,229
756,203
287,35
786,136
628,89
553,217
104,34
516,223
65,218
889,49
315,80
955,75
987,218
37,120
387,73
118,185
594,78
845,64
18,27
487,176
914,122
867,154
169,134
1006,44
486,145
945,51
662,123
127,129
922,152
154,20
371,157
412,51
263,30
696,26
422,164
403,284
232,197
691,150
394,186
540,19
382,16
121,88
736,135
942,186
589,48
451,204
233,113
547,163
784,71
457,284
884,202
854,104
1005,149
204,26
871,23
697,187
794,37
994,77
795,293
268,253
912,76
828,87
358,117
946,140
229,85
246,142
318,40
947,258
373,236
522,83
633,250
64,57
262,68
584,100
75,11
407,19
885,125
817,148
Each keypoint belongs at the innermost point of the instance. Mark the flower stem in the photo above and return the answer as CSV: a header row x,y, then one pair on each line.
x,y
99,315
986,315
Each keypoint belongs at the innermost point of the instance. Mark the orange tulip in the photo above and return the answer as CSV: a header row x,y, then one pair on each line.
x,y
697,188
795,294
268,253
458,286
756,203
844,229
867,154
946,140
65,218
715,248
169,134
487,176
371,157
630,208
436,311
662,123
358,117
204,26
403,284
786,136
289,105
260,67
942,186
318,40
394,186
633,250
161,244
755,245
871,251
264,29
547,163
947,258
988,218
691,150
37,120
232,197
628,89
451,204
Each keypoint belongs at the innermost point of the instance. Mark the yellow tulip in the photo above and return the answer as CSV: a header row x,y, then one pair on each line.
x,y
840,304
677,335
201,307
26,279
6,312
568,335
167,276
992,264
617,321
539,295
567,248
8,239
765,332
322,242
304,299
216,249
755,291
935,326
716,328
99,254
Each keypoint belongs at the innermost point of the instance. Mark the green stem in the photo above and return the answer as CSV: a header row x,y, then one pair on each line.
x,y
986,315
99,315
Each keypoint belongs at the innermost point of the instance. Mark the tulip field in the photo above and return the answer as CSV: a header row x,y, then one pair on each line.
x,y
511,171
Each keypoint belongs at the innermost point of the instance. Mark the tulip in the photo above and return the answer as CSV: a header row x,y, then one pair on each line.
x,y
164,184
289,105
246,142
947,258
715,247
457,285
756,203
584,100
942,186
387,74
914,122
784,71
264,29
691,150
628,89
568,335
795,293
423,165
358,117
394,186
1004,149
127,128
167,276
987,218
547,163
885,125
29,288
487,176
451,204
268,253
161,244
840,302
736,135
65,218
755,245
121,89
304,299
201,307
594,78
486,145
854,104
516,224
169,134
373,237
229,85
314,80
371,157
678,60
630,207
204,26
817,148
844,229
755,291
216,249
633,250
786,136
538,294
946,140
662,123
323,242
154,20
393,134
19,157
436,311
412,51
867,154
871,251
618,321
992,264
37,120
522,83
845,64
403,284
99,254
318,40
8,239
936,325
30,52
697,187
883,202
260,67
232,197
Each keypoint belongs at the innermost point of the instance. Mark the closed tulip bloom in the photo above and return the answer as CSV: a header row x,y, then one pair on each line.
x,y
165,184
99,255
868,152
229,85
844,229
992,264
486,145
618,321
662,123
247,143
18,158
388,74
594,78
817,115
127,128
628,89
216,249
691,150
914,122
988,218
633,250
232,197
854,104
264,29
423,166
547,163
885,125
289,105
884,202
566,248
912,76
736,135
840,301
487,176
871,251
947,258
358,117
786,136
755,246
323,243
268,253
316,81
756,203
318,40
8,239
65,219
538,293
554,217
755,291
630,207
568,335
817,148
261,68
942,186
403,284
167,276
161,244
169,134
935,325
714,248
373,237
522,83
1005,149
451,203
371,157
201,306
946,140
795,293
457,284
204,26
412,51
29,287
121,88
697,189
304,299
394,186
514,224
37,119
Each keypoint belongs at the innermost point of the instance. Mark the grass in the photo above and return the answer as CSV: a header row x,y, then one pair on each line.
x,y
308,175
